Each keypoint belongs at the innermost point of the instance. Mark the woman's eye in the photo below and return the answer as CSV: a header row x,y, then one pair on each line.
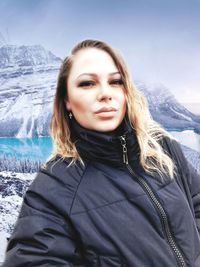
x,y
117,82
87,84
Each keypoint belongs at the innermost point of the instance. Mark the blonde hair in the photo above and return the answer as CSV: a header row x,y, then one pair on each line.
x,y
148,132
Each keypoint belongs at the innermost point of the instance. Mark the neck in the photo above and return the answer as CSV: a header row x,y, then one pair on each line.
x,y
106,147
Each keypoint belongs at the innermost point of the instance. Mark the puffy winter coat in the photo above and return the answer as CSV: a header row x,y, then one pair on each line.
x,y
109,211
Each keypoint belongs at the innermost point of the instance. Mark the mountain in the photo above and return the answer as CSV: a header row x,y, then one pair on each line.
x,y
27,85
22,56
166,110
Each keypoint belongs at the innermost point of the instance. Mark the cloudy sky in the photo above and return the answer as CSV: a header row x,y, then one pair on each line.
x,y
160,40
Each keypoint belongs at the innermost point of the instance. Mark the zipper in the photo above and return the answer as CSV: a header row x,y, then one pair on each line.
x,y
156,203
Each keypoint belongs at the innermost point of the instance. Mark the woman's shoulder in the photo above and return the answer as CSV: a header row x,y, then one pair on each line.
x,y
59,173
63,168
58,179
174,150
171,145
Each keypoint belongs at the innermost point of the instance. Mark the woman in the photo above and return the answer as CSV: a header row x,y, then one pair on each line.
x,y
118,190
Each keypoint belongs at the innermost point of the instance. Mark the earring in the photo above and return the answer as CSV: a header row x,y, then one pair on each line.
x,y
70,115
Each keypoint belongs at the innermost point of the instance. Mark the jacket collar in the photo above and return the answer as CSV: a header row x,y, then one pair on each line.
x,y
104,147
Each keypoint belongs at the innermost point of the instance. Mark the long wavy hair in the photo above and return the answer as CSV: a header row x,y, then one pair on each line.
x,y
152,156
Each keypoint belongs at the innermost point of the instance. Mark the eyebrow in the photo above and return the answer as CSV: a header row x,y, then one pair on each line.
x,y
95,75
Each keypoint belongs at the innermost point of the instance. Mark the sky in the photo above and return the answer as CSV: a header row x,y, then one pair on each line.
x,y
159,40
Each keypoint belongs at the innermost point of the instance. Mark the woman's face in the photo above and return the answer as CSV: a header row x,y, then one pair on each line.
x,y
96,95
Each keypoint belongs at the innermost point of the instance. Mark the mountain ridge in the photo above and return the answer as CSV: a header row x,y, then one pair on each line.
x,y
32,55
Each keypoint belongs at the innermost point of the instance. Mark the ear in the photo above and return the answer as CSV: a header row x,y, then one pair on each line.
x,y
67,105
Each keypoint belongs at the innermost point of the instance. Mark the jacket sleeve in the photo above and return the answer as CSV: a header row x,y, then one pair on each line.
x,y
44,236
194,183
189,178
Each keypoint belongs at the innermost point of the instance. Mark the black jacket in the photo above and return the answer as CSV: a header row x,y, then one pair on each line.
x,y
103,214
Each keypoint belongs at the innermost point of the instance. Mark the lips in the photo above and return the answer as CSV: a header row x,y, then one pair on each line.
x,y
105,109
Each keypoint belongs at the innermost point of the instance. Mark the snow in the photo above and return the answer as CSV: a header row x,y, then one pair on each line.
x,y
21,176
13,56
13,187
28,81
3,245
166,110
183,116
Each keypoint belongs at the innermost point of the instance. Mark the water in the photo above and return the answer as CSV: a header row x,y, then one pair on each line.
x,y
37,148
40,148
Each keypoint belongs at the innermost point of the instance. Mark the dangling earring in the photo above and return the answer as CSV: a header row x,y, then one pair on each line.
x,y
70,115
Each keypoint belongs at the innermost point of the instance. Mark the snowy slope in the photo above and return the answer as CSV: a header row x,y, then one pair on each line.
x,y
27,85
12,189
22,56
3,244
166,110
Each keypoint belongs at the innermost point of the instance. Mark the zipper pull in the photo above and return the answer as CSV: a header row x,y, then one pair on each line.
x,y
124,149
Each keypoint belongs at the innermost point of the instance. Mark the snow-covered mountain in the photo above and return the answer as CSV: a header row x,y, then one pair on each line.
x,y
27,85
166,110
22,56
28,77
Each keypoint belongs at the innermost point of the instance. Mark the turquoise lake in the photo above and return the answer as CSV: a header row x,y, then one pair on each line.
x,y
37,148
40,148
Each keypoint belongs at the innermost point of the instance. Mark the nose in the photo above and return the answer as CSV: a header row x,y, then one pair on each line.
x,y
104,93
